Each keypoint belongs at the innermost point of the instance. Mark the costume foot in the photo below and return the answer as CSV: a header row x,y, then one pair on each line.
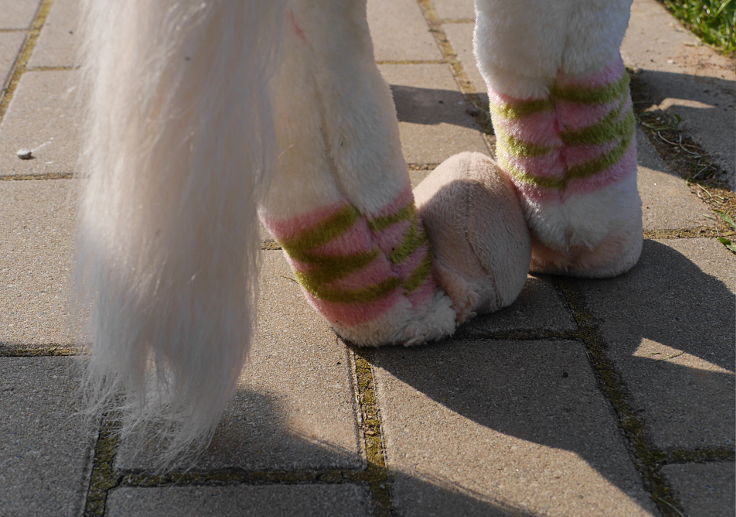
x,y
572,156
478,235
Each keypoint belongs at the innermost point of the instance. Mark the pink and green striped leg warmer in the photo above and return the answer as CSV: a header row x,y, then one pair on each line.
x,y
340,203
572,157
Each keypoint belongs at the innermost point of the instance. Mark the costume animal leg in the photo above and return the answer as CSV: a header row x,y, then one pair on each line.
x,y
563,118
341,203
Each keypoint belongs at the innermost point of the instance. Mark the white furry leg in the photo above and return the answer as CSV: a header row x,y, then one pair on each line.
x,y
178,147
565,128
341,204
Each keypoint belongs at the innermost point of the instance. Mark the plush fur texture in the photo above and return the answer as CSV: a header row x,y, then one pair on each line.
x,y
340,202
179,145
200,113
478,233
565,127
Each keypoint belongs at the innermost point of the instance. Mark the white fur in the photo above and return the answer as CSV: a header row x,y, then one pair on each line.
x,y
586,219
179,145
522,45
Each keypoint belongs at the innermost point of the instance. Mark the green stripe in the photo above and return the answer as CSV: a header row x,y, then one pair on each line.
x,y
364,295
333,227
600,95
331,268
520,148
419,275
604,131
519,109
414,238
595,166
386,221
520,175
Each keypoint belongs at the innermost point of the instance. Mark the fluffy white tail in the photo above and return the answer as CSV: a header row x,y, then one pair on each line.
x,y
179,145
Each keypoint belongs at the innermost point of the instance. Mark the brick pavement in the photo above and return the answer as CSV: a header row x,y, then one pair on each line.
x,y
613,397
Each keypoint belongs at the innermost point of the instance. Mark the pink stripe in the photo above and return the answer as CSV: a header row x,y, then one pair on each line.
x,y
574,116
574,155
609,74
424,292
348,314
392,236
538,128
294,226
548,165
375,272
357,238
406,197
621,169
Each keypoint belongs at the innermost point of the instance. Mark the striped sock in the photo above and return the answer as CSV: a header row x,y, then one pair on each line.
x,y
578,139
369,276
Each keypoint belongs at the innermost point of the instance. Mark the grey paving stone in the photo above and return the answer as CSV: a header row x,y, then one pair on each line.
x,y
686,78
461,39
45,449
10,43
266,501
36,226
433,122
294,407
41,114
705,490
502,427
57,44
400,32
669,326
538,307
17,14
667,202
454,9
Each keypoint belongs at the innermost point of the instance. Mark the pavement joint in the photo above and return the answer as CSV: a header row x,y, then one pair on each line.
x,y
30,177
476,106
411,62
645,457
376,472
683,155
44,350
683,233
103,477
457,20
704,455
24,55
51,68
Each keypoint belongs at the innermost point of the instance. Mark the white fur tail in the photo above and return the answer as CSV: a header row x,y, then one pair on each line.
x,y
179,146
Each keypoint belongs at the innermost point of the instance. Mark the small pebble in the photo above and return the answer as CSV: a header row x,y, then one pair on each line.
x,y
24,154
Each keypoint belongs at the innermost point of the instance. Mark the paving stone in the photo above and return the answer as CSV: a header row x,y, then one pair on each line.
x,y
502,427
669,326
684,77
271,500
36,226
46,448
705,490
455,9
667,202
17,14
433,122
10,43
461,39
57,44
400,32
41,114
538,307
294,407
